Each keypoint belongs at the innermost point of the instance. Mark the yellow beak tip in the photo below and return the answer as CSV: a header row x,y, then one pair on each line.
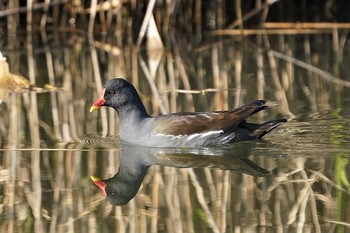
x,y
94,178
93,108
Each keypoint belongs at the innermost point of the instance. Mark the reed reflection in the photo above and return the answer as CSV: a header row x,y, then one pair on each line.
x,y
135,161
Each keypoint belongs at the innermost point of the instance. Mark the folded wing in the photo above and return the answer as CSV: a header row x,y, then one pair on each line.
x,y
194,123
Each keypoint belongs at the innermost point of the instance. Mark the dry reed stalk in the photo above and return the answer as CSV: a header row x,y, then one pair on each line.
x,y
177,202
144,215
155,200
225,82
11,158
30,58
216,207
321,73
184,78
343,40
211,186
302,25
216,78
200,198
307,91
239,20
13,20
120,223
36,189
201,76
290,71
238,78
31,102
335,40
263,198
280,93
153,87
250,14
34,194
154,46
44,17
113,161
302,217
203,91
162,84
225,201
98,82
14,9
29,19
53,96
172,193
103,23
249,32
172,84
264,12
145,22
57,185
92,16
260,71
66,133
277,212
186,200
220,14
337,222
134,66
168,197
132,221
69,96
312,201
198,18
303,195
69,202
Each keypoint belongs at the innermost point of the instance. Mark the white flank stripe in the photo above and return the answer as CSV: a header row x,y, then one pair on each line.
x,y
191,136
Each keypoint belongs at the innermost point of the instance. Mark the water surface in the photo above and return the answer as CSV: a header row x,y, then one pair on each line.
x,y
51,144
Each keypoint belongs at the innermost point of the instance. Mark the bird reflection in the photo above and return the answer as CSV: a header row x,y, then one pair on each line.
x,y
135,161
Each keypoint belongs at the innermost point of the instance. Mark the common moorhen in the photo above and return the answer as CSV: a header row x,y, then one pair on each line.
x,y
183,129
134,162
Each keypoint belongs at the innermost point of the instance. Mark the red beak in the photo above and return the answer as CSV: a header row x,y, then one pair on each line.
x,y
99,102
100,183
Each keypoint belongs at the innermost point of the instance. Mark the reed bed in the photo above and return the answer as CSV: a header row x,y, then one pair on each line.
x,y
46,160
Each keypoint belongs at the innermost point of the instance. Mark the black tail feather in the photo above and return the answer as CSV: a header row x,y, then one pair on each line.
x,y
266,127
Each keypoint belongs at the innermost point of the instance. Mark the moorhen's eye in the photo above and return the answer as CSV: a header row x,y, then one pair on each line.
x,y
111,92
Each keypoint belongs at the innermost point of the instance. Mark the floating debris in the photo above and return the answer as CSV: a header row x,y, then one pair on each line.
x,y
18,83
9,80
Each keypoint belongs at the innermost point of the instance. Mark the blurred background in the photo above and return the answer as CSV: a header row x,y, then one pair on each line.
x,y
181,56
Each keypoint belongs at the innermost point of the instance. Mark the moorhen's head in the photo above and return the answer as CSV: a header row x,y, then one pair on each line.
x,y
118,93
111,192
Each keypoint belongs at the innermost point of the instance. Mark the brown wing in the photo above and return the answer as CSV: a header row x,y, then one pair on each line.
x,y
189,123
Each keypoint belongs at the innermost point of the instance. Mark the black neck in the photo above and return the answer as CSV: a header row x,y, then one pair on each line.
x,y
134,108
134,164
